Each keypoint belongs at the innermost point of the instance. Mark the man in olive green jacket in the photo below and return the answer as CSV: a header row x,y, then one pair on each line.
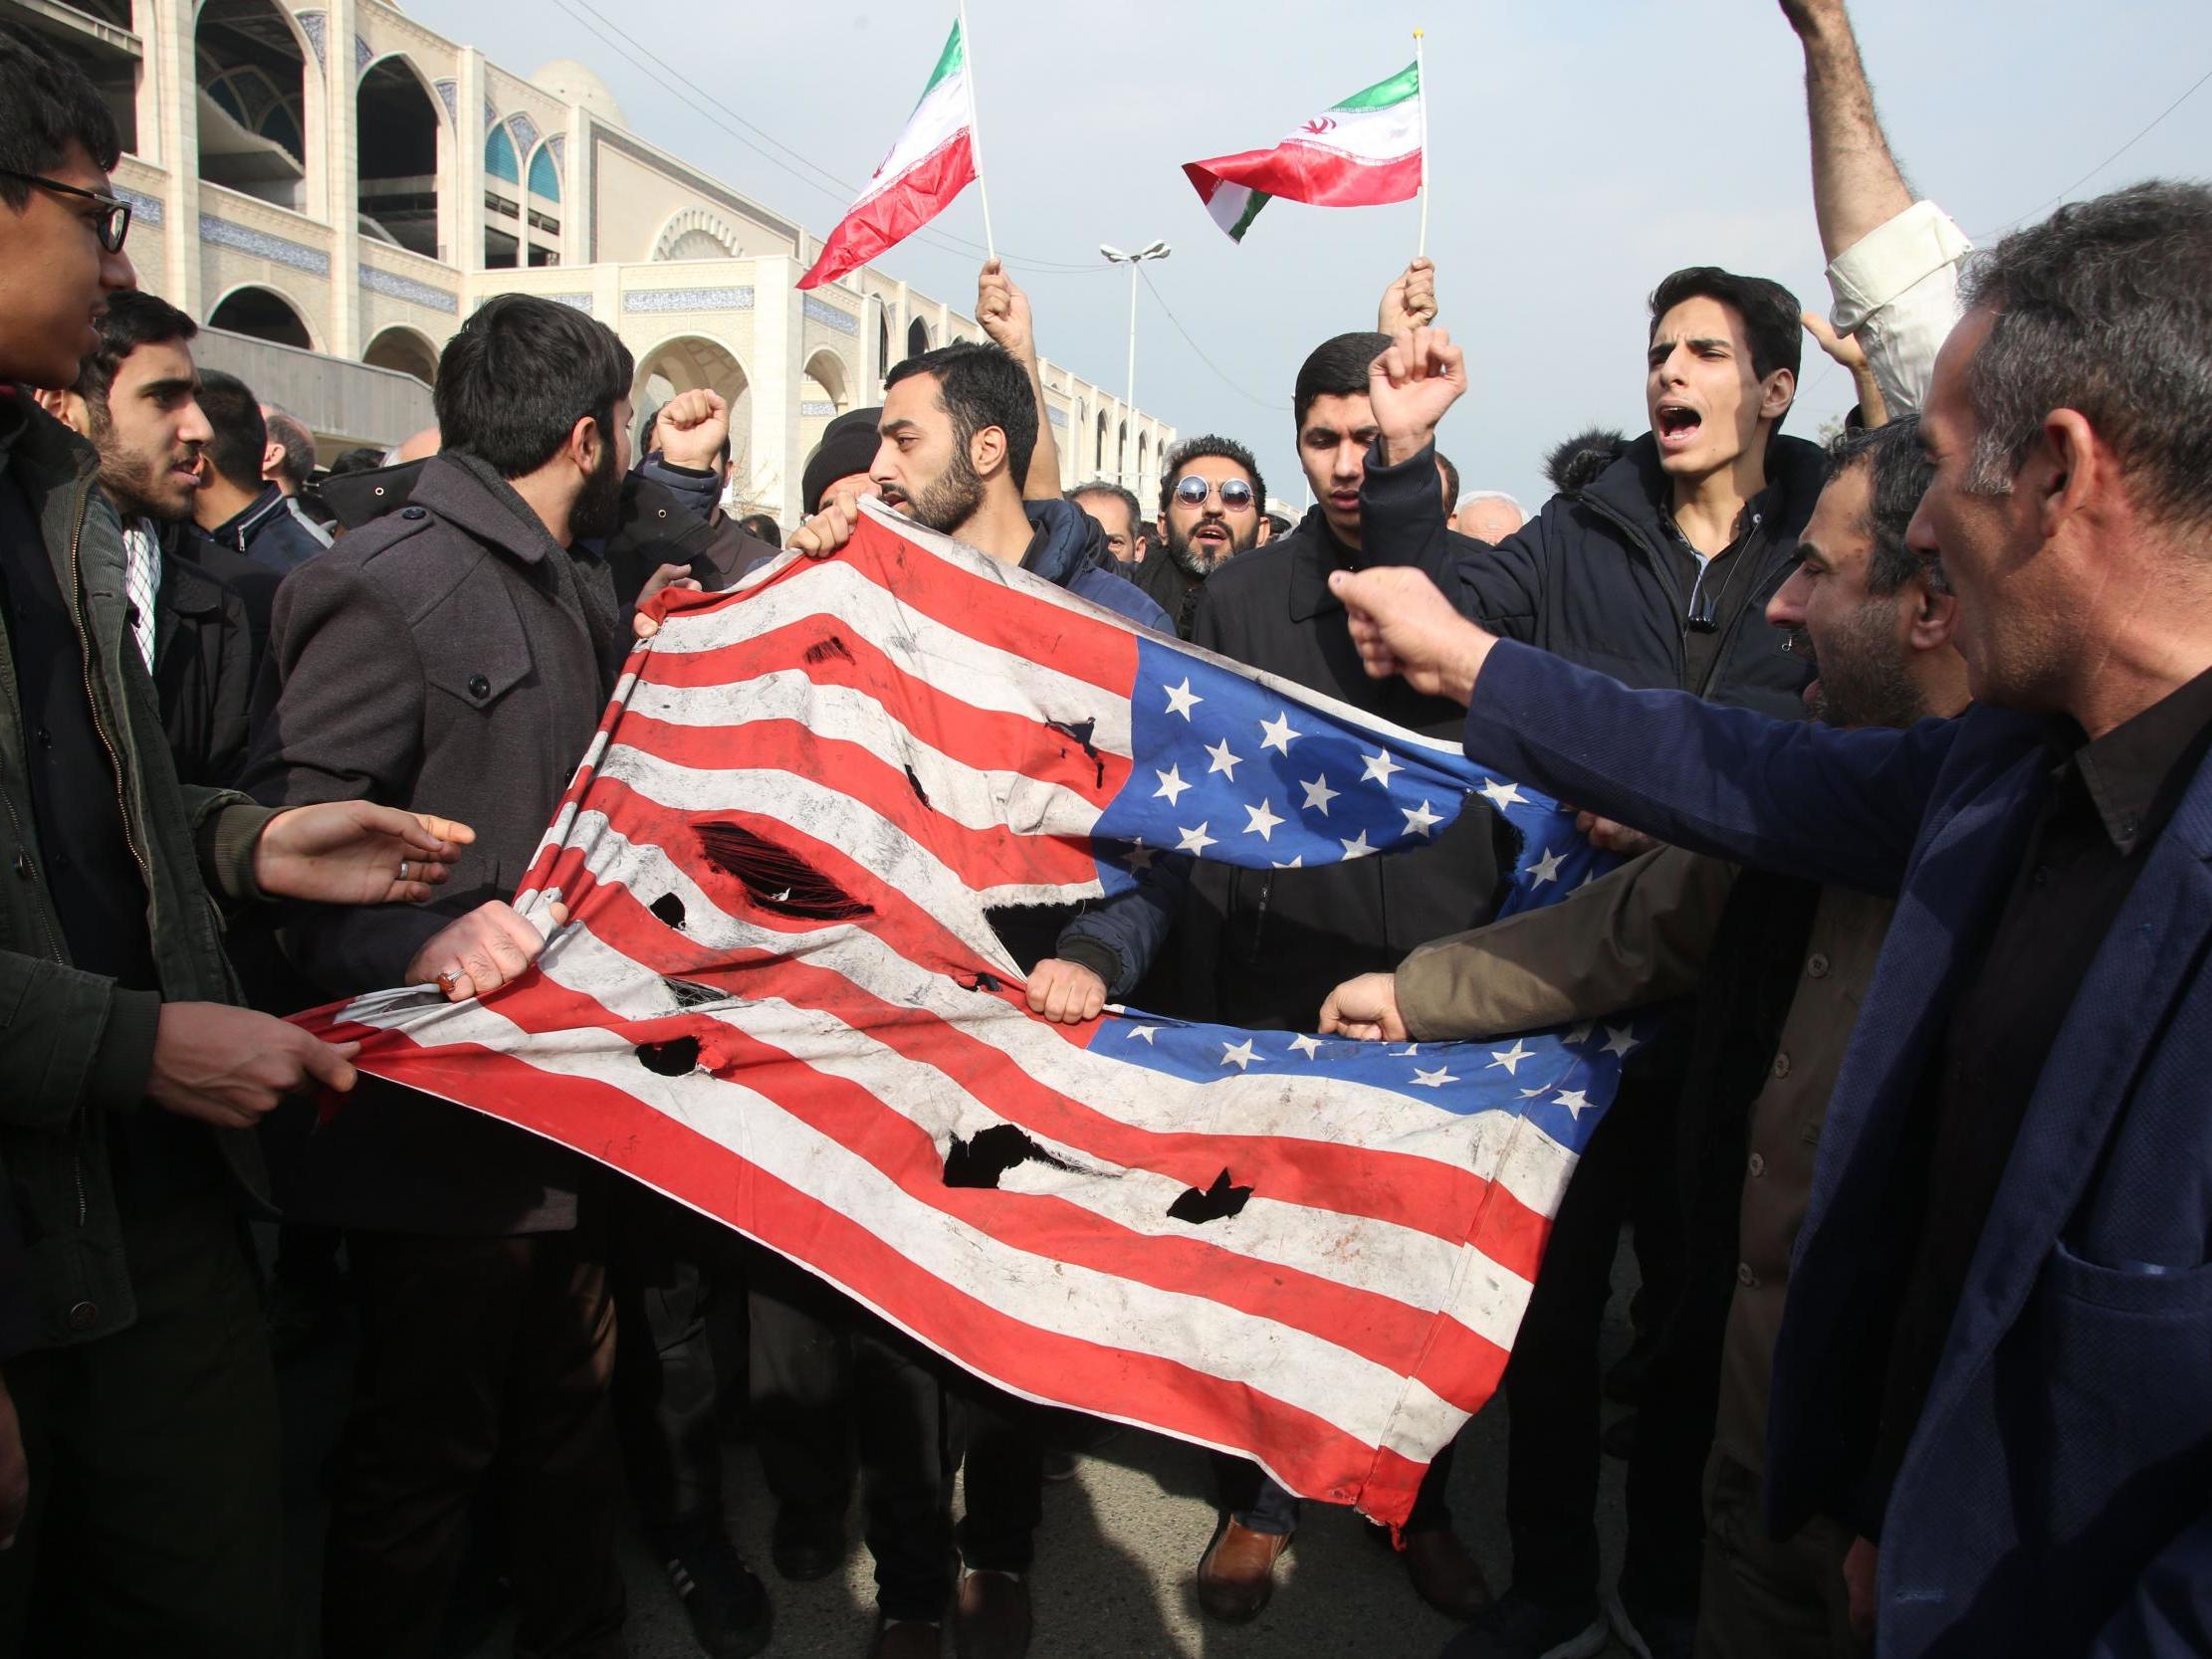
x,y
139,1379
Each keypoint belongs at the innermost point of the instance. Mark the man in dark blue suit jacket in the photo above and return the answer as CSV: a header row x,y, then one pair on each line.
x,y
1996,1359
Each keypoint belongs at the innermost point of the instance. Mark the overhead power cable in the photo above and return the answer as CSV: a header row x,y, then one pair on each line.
x,y
2107,162
1199,351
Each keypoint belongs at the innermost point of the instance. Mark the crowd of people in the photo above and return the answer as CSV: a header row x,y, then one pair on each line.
x,y
1900,737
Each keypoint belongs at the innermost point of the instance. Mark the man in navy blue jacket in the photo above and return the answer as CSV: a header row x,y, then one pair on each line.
x,y
1996,1362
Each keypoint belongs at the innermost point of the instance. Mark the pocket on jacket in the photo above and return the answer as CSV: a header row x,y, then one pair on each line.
x,y
473,653
2145,1291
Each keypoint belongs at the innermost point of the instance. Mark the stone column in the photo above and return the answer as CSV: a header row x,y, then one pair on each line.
x,y
775,380
165,30
342,87
467,166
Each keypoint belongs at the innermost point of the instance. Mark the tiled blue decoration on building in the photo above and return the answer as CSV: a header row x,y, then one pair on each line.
x,y
313,25
145,209
361,55
247,240
524,130
814,408
449,94
575,302
396,287
829,315
660,300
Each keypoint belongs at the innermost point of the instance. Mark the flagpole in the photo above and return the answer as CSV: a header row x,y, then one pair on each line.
x,y
1420,82
976,134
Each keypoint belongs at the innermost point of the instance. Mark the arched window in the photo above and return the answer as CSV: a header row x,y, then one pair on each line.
x,y
1098,459
498,156
545,177
917,338
883,336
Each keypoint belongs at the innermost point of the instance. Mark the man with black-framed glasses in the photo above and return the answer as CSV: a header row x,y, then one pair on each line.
x,y
1211,501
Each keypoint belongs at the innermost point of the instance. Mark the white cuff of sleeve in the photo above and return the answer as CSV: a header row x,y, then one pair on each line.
x,y
1890,260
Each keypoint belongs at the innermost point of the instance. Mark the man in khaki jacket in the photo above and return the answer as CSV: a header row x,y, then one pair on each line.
x,y
1778,966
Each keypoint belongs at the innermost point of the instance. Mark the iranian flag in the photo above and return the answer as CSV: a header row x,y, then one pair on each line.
x,y
1359,154
933,162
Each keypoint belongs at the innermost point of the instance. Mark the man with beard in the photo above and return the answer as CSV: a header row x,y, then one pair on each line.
x,y
1210,495
1261,948
957,437
1779,966
135,398
463,649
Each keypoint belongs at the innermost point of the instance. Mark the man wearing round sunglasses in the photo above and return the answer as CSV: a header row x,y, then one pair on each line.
x,y
1211,501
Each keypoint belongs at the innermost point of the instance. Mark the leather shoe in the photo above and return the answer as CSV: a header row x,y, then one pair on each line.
x,y
1236,1574
1445,1574
803,1546
907,1640
993,1618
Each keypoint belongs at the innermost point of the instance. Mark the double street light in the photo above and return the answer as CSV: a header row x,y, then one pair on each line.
x,y
1156,250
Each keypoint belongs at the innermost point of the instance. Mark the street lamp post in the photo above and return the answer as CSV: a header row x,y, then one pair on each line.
x,y
1156,250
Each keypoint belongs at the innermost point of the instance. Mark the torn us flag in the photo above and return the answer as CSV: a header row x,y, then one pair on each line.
x,y
779,999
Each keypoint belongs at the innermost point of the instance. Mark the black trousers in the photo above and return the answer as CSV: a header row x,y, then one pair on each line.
x,y
1631,1167
155,1518
671,1268
485,1367
832,1384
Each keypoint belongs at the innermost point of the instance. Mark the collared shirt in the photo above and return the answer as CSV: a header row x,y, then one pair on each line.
x,y
142,552
1709,583
2108,802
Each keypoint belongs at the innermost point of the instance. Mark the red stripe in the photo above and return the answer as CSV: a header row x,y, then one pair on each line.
x,y
883,221
984,738
1309,1454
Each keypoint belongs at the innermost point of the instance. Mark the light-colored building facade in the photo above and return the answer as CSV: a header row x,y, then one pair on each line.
x,y
333,178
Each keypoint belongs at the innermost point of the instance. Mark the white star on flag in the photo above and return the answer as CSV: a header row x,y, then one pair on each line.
x,y
1420,819
1223,761
1239,1055
1319,794
1379,768
1263,821
1142,1033
1193,840
1510,1058
1501,796
1307,1045
1576,1102
1170,784
1297,863
1432,1079
1545,869
1620,1039
1579,1035
1181,699
1357,848
1276,733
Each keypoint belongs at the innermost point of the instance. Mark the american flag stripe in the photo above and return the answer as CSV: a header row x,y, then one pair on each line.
x,y
1310,1251
1318,1154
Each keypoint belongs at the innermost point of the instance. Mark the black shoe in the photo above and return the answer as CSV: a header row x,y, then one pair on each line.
x,y
804,1548
728,1609
1516,1627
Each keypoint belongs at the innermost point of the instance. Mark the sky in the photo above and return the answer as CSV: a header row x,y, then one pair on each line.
x,y
1578,153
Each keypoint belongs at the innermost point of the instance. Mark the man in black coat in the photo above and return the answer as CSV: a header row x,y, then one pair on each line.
x,y
1211,498
237,508
464,648
136,399
1658,572
1263,948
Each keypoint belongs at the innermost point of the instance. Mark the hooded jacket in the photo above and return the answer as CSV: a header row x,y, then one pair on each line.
x,y
1116,938
1597,576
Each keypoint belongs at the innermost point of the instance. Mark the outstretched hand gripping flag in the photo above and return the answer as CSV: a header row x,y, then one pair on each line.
x,y
1362,152
932,162
779,999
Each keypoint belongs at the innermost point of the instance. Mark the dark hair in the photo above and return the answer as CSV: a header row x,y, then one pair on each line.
x,y
651,426
1577,461
1127,497
761,527
981,385
366,458
1278,523
46,104
1771,315
1224,449
1336,368
238,435
514,382
2106,308
134,318
1899,472
1450,481
288,430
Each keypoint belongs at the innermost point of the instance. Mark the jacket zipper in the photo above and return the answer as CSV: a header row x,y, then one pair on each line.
x,y
1666,569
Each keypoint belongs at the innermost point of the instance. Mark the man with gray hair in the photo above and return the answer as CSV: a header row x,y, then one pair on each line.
x,y
1489,516
288,461
1118,514
1995,1365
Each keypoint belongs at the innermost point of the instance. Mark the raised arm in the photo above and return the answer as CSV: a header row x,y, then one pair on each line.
x,y
1003,311
1857,186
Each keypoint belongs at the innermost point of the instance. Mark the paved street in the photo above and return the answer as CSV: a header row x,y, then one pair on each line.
x,y
1116,1555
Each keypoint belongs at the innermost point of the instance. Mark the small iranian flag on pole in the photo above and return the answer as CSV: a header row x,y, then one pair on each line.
x,y
1359,154
933,162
